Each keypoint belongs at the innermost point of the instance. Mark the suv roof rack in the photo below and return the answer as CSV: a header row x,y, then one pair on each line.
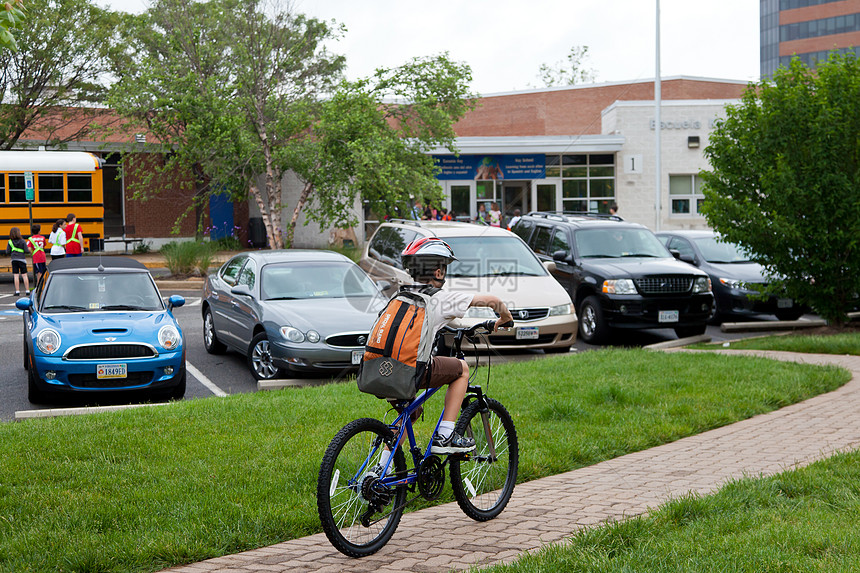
x,y
561,215
405,222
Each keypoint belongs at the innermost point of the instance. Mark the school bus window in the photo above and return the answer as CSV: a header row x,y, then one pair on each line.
x,y
2,188
17,192
50,188
80,187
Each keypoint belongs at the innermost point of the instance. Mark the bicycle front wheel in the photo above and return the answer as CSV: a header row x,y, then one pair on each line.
x,y
484,483
359,515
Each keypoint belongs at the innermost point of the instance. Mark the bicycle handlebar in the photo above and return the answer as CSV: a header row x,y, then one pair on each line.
x,y
487,325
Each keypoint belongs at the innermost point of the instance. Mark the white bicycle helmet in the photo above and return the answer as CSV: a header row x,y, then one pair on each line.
x,y
429,247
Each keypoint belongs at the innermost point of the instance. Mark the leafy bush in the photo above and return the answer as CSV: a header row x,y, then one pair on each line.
x,y
185,257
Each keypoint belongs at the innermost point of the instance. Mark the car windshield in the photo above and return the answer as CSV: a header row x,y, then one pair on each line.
x,y
492,256
617,243
716,251
88,292
292,281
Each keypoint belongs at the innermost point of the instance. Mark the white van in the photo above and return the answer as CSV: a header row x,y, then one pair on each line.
x,y
490,260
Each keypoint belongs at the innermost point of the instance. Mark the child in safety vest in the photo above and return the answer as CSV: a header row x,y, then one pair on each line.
x,y
74,237
17,249
37,247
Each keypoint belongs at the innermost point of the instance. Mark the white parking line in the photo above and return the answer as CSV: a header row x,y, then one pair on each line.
x,y
204,380
195,301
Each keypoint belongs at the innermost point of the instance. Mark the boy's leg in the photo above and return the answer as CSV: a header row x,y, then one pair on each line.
x,y
455,394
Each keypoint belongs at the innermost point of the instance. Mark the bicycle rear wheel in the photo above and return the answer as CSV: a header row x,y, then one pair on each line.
x,y
357,517
483,484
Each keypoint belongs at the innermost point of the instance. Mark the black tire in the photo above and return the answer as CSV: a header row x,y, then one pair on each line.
x,y
789,314
592,325
210,339
26,353
178,392
483,487
343,472
34,394
260,360
687,331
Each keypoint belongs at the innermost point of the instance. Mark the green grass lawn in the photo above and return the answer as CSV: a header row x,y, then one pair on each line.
x,y
144,489
801,520
847,343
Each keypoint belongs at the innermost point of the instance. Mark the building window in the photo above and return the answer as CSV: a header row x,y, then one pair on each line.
x,y
685,193
80,188
587,181
50,188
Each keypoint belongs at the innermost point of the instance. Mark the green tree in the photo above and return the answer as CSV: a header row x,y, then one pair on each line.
x,y
270,102
785,182
12,15
55,84
568,72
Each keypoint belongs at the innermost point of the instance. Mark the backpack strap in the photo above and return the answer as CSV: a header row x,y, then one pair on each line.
x,y
392,332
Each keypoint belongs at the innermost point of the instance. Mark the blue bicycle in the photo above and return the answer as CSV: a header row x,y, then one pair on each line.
x,y
360,501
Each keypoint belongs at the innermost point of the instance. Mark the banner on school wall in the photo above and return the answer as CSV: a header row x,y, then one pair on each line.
x,y
498,167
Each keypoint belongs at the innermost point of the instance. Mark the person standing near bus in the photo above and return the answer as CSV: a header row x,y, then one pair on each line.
x,y
57,238
74,238
36,243
17,249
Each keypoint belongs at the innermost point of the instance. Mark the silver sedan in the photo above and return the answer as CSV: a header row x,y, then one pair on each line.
x,y
291,310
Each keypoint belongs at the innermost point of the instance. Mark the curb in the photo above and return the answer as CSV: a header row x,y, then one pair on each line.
x,y
679,342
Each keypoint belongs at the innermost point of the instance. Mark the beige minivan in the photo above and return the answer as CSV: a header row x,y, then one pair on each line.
x,y
490,260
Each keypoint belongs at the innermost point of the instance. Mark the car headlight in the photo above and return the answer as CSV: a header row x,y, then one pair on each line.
x,y
480,312
732,283
619,286
702,284
561,309
313,336
48,341
292,334
169,338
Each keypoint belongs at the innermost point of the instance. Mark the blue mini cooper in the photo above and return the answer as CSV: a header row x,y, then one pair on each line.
x,y
98,324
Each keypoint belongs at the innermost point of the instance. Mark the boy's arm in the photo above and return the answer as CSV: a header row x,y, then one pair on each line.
x,y
496,304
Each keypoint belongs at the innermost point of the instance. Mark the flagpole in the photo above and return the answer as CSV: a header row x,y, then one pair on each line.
x,y
658,128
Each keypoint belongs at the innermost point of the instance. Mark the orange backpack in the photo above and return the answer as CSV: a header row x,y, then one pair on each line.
x,y
399,346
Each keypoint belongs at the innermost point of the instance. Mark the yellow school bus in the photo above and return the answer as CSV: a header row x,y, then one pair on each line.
x,y
52,184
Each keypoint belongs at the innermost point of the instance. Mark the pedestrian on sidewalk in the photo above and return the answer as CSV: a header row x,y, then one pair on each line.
x,y
17,249
57,238
36,243
74,237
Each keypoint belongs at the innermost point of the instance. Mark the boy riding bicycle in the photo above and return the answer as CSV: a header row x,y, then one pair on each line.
x,y
427,260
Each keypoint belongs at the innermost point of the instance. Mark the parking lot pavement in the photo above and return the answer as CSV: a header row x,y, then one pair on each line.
x,y
550,509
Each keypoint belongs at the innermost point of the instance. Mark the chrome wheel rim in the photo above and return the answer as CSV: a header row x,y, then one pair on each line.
x,y
208,330
589,320
262,360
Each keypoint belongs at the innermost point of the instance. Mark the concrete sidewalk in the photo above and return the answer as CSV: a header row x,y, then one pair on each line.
x,y
547,510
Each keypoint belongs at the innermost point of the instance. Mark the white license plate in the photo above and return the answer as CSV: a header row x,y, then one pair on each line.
x,y
668,316
357,355
784,303
527,333
111,371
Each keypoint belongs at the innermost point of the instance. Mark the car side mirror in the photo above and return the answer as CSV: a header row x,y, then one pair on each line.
x,y
675,253
690,259
24,303
550,265
241,290
383,285
175,301
560,256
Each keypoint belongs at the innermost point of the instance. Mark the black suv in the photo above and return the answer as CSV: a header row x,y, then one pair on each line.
x,y
618,274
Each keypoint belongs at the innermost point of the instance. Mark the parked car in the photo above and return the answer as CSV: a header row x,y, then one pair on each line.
x,y
618,274
734,277
490,260
99,324
291,310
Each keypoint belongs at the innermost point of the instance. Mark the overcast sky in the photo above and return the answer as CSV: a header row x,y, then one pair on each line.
x,y
506,41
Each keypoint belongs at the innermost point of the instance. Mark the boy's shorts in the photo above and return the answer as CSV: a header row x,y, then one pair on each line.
x,y
443,370
40,268
19,268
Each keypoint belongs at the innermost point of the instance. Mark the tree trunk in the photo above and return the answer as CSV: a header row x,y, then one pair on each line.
x,y
303,198
264,214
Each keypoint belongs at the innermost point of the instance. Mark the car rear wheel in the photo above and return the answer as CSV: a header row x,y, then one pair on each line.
x,y
592,325
210,339
260,359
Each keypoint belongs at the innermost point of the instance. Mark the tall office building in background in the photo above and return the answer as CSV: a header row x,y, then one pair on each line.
x,y
809,29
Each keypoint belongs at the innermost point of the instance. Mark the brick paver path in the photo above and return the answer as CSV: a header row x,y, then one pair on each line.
x,y
550,509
